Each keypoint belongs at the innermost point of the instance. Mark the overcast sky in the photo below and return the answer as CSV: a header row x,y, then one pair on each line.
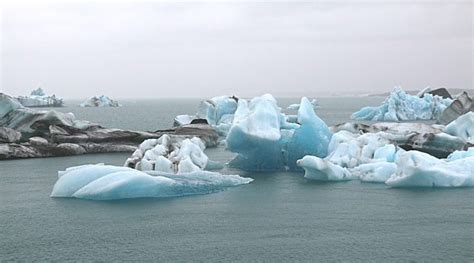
x,y
153,50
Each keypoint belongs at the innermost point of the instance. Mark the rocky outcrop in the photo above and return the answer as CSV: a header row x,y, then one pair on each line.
x,y
26,133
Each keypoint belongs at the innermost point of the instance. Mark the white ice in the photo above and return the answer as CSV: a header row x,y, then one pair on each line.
x,y
105,182
38,98
400,106
462,127
101,101
417,169
169,154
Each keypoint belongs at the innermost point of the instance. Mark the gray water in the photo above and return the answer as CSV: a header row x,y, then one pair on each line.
x,y
278,217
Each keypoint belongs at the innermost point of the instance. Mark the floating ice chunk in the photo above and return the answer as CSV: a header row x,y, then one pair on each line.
x,y
322,170
255,135
215,108
266,141
400,106
101,101
462,127
296,106
311,138
168,154
417,169
181,120
99,182
377,172
74,178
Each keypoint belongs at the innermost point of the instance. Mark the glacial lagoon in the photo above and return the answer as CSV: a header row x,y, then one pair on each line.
x,y
279,215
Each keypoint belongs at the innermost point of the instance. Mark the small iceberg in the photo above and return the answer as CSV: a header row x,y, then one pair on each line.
x,y
106,182
170,154
38,98
401,106
296,106
101,101
417,169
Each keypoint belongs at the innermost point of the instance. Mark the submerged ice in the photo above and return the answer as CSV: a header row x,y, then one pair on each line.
x,y
106,182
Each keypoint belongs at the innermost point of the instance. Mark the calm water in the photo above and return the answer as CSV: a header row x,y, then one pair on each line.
x,y
278,217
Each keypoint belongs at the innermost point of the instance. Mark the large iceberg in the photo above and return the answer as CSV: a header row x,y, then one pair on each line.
x,y
38,98
265,141
106,182
101,101
401,106
170,154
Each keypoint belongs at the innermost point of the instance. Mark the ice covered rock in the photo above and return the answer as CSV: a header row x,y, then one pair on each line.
x,y
417,169
460,106
400,106
462,127
322,170
265,141
105,182
9,135
101,101
38,98
171,154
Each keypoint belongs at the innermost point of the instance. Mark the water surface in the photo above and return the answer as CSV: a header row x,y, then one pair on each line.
x,y
279,217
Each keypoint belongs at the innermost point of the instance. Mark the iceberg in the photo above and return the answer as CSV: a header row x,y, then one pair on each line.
x,y
101,101
462,127
38,98
265,141
417,169
170,154
322,170
296,106
106,182
400,106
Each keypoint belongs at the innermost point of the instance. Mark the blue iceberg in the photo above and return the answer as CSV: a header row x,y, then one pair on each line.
x,y
101,101
266,141
401,106
106,182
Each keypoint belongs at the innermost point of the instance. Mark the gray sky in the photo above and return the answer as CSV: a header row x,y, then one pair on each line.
x,y
164,49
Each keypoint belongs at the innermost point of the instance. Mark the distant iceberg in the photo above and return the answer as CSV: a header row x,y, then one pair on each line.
x,y
401,106
106,182
101,101
38,98
296,106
